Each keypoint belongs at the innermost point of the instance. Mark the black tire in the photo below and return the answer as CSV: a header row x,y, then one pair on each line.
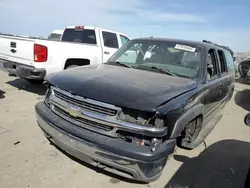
x,y
247,179
71,66
188,137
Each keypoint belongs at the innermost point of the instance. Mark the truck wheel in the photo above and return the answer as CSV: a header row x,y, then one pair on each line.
x,y
187,140
71,66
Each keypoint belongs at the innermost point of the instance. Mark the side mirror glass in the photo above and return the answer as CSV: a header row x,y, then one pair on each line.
x,y
247,119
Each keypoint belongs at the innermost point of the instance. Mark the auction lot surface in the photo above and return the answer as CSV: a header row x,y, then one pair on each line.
x,y
28,160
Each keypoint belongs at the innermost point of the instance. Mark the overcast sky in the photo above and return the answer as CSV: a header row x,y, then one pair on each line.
x,y
223,21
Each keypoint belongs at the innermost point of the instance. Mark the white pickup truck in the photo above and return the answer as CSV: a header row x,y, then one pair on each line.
x,y
33,59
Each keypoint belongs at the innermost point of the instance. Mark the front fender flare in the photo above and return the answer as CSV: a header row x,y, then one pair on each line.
x,y
184,119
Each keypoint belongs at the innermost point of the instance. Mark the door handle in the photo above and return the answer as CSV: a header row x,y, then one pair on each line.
x,y
13,50
221,86
106,52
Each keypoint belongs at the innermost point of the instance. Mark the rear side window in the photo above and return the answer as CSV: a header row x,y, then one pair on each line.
x,y
212,68
222,59
230,61
124,39
79,35
110,39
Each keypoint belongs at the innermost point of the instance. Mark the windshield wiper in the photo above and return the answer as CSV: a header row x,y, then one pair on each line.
x,y
164,71
123,64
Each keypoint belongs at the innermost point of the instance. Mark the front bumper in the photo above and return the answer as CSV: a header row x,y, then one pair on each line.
x,y
110,154
24,71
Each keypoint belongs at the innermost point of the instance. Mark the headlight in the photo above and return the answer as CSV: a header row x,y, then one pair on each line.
x,y
142,118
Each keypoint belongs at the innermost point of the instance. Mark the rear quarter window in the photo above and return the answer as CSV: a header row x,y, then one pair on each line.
x,y
230,61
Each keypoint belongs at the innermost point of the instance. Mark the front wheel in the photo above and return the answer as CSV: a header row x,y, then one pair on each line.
x,y
188,137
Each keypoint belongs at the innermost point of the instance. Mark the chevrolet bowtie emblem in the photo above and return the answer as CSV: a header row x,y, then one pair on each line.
x,y
74,111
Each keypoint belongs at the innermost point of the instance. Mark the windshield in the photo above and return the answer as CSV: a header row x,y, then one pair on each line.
x,y
175,59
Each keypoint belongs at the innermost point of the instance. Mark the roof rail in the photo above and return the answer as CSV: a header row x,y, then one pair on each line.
x,y
224,47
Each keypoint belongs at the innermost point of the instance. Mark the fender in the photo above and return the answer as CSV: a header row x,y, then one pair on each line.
x,y
186,118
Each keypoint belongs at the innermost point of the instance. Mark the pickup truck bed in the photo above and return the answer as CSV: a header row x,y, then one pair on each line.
x,y
33,59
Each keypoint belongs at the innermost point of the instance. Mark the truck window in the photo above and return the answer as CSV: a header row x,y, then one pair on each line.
x,y
55,37
124,39
212,69
110,39
79,35
223,65
229,61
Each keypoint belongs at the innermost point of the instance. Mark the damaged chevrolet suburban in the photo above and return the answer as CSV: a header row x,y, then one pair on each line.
x,y
127,115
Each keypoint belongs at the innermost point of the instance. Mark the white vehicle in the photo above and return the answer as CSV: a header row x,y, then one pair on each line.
x,y
33,59
56,35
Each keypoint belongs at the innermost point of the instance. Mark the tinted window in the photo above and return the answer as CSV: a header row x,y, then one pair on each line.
x,y
83,36
223,65
110,39
182,60
230,61
124,39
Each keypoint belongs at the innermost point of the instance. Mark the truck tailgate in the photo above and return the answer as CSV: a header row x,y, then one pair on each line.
x,y
17,49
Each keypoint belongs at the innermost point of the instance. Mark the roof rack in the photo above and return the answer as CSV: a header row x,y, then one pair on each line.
x,y
224,47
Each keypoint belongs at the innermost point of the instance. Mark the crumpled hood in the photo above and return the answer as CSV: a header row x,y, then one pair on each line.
x,y
121,86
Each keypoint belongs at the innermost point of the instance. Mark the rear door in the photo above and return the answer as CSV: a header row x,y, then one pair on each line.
x,y
231,73
213,85
17,49
224,76
110,44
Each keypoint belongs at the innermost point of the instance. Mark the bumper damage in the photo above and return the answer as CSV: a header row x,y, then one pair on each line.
x,y
110,154
24,71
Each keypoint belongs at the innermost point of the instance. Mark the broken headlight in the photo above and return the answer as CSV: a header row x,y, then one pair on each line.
x,y
142,118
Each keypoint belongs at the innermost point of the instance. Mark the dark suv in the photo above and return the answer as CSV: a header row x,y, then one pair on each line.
x,y
127,115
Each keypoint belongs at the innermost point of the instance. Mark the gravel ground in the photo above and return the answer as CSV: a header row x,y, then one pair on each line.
x,y
28,160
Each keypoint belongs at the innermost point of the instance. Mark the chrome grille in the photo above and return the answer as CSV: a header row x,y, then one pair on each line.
x,y
74,108
83,104
94,115
86,122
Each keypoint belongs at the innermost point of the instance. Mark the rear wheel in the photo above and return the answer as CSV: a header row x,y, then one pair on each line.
x,y
190,133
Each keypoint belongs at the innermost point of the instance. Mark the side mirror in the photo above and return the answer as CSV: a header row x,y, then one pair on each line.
x,y
234,58
247,119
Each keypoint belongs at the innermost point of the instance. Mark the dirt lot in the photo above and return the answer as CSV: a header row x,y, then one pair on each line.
x,y
28,160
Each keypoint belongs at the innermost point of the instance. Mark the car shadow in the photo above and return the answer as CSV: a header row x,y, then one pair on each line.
x,y
2,94
241,81
224,164
22,84
242,99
